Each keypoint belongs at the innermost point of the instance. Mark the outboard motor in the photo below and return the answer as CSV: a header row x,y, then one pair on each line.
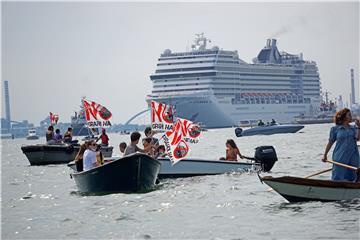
x,y
238,131
266,156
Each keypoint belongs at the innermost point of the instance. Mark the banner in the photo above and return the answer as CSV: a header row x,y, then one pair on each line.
x,y
178,138
96,115
54,118
162,116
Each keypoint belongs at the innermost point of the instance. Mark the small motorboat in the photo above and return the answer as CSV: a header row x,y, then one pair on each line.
x,y
134,173
295,189
32,135
265,158
42,154
268,130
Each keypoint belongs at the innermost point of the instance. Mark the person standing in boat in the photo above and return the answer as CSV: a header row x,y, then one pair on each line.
x,y
132,147
261,123
50,135
346,150
232,151
104,138
150,134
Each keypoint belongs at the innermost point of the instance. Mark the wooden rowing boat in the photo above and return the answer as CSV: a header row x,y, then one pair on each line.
x,y
295,189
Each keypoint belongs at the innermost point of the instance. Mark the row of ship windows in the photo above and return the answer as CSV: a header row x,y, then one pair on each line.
x,y
223,79
307,86
183,75
236,70
196,62
198,56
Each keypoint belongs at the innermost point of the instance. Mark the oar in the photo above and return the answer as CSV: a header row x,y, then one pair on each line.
x,y
343,165
309,176
318,173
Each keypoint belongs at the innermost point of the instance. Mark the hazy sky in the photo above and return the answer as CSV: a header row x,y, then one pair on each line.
x,y
55,53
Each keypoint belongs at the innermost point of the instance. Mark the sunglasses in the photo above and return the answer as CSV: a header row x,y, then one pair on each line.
x,y
93,144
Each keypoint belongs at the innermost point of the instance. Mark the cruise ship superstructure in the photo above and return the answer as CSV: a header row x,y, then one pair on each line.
x,y
217,88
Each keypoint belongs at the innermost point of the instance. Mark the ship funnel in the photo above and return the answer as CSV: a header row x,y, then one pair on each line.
x,y
273,43
268,43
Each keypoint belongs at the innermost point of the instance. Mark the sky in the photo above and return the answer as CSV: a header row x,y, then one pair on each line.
x,y
53,53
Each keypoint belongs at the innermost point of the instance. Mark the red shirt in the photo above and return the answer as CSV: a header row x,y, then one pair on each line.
x,y
104,139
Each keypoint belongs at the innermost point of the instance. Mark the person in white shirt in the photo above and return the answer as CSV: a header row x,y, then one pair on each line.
x,y
89,158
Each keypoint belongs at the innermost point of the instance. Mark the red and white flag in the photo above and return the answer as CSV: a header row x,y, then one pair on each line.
x,y
177,140
54,118
162,116
96,115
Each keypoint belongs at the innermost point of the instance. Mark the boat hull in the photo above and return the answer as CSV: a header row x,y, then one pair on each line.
x,y
32,137
133,173
296,189
269,130
43,154
198,167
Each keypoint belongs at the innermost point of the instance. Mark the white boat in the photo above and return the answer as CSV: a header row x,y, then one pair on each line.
x,y
197,167
32,135
269,130
296,189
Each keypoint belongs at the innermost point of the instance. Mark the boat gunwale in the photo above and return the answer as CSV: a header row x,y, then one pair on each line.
x,y
312,182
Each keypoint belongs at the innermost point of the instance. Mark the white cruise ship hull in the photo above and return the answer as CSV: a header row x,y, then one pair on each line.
x,y
205,108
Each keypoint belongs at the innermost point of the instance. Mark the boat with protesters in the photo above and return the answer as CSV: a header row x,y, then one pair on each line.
x,y
43,154
133,173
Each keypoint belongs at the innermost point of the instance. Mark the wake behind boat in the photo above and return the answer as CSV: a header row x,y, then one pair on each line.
x,y
295,189
133,173
269,130
42,154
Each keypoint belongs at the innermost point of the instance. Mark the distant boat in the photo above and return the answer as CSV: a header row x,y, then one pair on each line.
x,y
42,154
269,130
296,189
6,136
313,119
133,173
32,135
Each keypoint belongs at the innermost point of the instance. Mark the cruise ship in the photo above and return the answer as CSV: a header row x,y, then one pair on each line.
x,y
216,88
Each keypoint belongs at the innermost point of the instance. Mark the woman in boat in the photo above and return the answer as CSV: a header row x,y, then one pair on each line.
x,y
346,150
80,155
232,151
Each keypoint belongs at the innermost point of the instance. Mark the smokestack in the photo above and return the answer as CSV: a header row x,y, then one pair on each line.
x,y
273,43
268,43
352,99
7,104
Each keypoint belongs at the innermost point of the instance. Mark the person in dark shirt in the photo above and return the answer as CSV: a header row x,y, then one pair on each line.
x,y
50,135
68,135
